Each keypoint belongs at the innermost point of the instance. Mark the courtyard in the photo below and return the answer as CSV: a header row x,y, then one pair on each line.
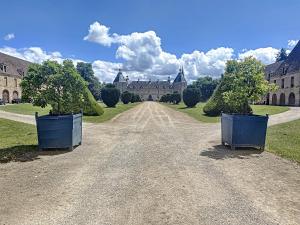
x,y
151,165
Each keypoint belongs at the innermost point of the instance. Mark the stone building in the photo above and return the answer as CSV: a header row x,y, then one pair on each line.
x,y
151,90
12,71
286,75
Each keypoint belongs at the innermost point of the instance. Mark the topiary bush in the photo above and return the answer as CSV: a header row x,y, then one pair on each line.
x,y
191,96
110,95
91,107
126,97
176,98
135,98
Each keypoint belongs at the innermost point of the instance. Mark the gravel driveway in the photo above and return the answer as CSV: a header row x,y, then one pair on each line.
x,y
151,165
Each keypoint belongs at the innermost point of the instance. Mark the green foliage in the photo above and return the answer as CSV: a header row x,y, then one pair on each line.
x,y
135,98
91,107
242,84
110,95
126,97
191,96
86,72
206,85
282,55
58,85
174,98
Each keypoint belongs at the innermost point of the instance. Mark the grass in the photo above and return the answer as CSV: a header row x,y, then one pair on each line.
x,y
198,114
284,140
109,113
16,139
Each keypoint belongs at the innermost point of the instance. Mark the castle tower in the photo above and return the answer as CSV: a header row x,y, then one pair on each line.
x,y
179,84
120,82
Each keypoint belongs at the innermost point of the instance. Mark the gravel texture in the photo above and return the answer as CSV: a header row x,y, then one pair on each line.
x,y
151,165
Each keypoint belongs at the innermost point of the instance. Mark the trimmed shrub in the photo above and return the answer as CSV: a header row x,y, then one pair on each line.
x,y
126,97
191,96
175,98
91,106
135,98
110,95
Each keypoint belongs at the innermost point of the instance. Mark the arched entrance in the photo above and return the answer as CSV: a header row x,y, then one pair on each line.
x,y
268,99
15,95
274,99
150,98
5,96
292,99
282,99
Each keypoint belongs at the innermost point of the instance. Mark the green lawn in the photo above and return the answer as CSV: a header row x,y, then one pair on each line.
x,y
198,114
109,113
16,139
284,140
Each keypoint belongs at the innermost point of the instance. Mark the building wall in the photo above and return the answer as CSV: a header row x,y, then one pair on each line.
x,y
12,86
287,91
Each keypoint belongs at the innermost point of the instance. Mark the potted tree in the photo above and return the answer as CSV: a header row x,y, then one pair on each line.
x,y
244,84
61,87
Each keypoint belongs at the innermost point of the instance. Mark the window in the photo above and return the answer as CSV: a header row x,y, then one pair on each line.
x,y
16,83
282,83
274,81
3,68
292,82
5,81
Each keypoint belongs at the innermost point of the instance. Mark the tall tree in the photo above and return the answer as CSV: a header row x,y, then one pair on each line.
x,y
282,55
87,73
207,85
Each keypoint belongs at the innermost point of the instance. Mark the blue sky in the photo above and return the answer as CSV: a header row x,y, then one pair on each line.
x,y
200,35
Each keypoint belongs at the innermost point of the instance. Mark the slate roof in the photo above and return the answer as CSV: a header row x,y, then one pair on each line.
x,y
119,77
180,76
148,84
270,69
14,66
292,63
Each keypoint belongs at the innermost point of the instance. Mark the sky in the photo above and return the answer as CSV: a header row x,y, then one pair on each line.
x,y
149,39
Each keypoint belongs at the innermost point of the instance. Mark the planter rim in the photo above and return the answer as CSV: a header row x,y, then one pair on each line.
x,y
58,116
244,115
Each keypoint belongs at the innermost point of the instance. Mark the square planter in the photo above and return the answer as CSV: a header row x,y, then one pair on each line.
x,y
62,131
244,130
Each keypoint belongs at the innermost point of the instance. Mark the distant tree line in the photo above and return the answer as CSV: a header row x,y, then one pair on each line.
x,y
174,98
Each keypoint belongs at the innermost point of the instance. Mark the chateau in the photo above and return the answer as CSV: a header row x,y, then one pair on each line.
x,y
12,71
151,90
286,74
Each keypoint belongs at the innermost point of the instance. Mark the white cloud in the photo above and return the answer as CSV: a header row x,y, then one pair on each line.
x,y
292,43
9,37
265,55
99,33
105,71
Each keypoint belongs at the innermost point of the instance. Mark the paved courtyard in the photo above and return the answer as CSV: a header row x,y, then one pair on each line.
x,y
151,165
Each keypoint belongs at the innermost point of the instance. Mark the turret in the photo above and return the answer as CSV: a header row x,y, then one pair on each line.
x,y
120,82
180,83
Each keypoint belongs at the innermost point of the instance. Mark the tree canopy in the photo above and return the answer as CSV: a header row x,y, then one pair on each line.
x,y
206,85
86,72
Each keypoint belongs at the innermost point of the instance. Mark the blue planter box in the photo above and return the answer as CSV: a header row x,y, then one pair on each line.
x,y
244,130
64,131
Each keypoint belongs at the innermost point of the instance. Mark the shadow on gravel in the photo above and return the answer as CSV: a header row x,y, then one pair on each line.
x,y
223,152
25,153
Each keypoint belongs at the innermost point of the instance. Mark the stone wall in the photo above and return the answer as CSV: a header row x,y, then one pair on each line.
x,y
10,88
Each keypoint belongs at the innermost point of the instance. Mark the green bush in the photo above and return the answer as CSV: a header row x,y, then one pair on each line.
x,y
191,96
91,107
175,98
135,98
110,95
59,86
126,97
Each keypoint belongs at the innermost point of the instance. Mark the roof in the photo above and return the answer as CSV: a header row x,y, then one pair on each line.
x,y
292,63
148,84
180,76
119,77
14,66
273,67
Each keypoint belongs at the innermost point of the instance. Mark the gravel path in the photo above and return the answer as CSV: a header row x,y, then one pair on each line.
x,y
151,165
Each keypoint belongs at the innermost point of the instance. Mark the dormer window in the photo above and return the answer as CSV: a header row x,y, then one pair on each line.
x,y
3,68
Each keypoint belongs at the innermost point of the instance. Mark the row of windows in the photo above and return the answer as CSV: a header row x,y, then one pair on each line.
x,y
3,68
283,84
5,82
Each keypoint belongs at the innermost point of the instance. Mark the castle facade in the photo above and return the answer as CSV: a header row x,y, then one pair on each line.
x,y
151,90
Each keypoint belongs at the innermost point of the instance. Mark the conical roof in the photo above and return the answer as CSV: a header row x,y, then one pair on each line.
x,y
119,77
180,76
